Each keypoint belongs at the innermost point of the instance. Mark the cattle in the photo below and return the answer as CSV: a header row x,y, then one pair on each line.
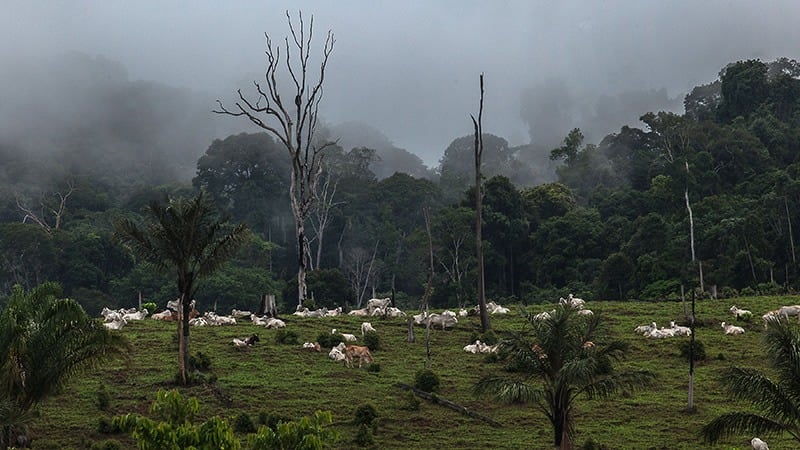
x,y
353,352
246,342
365,327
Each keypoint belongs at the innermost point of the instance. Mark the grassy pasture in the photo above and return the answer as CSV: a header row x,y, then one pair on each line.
x,y
290,381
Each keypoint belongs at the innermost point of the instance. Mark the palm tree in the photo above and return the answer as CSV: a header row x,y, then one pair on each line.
x,y
555,360
45,340
777,399
187,237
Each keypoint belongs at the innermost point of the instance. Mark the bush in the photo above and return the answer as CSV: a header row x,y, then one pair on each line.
x,y
105,426
728,292
103,398
328,340
747,291
364,436
489,338
46,444
199,361
284,336
590,444
411,402
427,381
151,307
272,420
699,350
108,444
661,290
365,414
372,340
243,424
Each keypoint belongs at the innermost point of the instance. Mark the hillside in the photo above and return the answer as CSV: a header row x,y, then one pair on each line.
x,y
288,381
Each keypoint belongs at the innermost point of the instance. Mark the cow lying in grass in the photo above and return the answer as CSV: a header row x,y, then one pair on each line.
x,y
352,352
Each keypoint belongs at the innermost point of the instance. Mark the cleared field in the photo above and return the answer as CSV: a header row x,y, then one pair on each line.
x,y
287,380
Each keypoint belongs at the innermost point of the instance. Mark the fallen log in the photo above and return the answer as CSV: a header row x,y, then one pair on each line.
x,y
449,404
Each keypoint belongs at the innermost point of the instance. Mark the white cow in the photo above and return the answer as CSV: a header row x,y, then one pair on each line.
x,y
365,327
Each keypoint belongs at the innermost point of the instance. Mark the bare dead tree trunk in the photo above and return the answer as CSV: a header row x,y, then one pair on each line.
x,y
426,297
56,211
478,125
323,204
789,221
690,406
293,124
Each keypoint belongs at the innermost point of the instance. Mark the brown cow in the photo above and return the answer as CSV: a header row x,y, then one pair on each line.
x,y
357,351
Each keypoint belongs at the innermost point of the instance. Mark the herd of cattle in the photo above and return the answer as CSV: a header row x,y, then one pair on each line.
x,y
345,351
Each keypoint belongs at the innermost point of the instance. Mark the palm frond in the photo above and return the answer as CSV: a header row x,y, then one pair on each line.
x,y
759,390
507,390
743,423
611,384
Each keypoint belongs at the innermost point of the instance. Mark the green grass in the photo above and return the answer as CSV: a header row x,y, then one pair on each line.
x,y
289,381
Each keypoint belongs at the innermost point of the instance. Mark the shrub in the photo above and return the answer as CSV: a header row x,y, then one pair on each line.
x,y
489,338
364,436
411,402
243,424
199,361
427,381
272,420
284,336
364,414
372,340
728,292
310,303
108,444
699,350
103,398
747,291
328,340
590,444
45,444
105,426
151,307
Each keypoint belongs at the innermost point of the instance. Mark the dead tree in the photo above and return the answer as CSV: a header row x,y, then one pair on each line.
x,y
478,125
293,123
320,217
47,208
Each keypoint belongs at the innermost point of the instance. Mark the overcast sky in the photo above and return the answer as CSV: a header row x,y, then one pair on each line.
x,y
410,67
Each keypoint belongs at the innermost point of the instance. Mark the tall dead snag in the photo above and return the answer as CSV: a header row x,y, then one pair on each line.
x,y
478,125
293,124
47,207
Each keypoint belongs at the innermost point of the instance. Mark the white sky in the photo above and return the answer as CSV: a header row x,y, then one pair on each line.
x,y
410,67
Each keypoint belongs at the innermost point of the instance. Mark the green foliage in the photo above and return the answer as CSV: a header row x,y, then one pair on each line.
x,y
372,340
489,337
173,427
328,340
45,340
364,436
286,337
108,444
410,402
200,361
103,398
427,380
243,424
699,350
271,419
554,352
151,307
774,395
661,290
308,433
105,426
364,414
590,444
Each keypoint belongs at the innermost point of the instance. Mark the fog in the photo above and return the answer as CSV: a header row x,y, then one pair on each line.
x,y
407,68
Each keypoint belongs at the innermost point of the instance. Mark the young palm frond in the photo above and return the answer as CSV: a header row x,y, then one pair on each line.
x,y
778,400
44,342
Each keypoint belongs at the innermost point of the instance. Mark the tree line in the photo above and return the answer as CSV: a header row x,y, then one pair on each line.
x,y
613,226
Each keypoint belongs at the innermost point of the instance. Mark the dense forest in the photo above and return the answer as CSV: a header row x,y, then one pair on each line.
x,y
606,220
